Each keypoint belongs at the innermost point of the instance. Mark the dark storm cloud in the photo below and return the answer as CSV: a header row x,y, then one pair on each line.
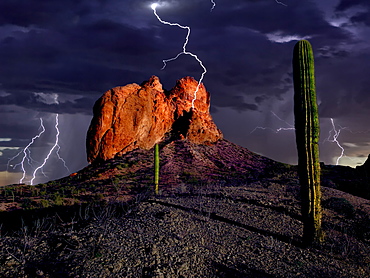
x,y
238,103
76,48
245,57
267,17
30,101
86,58
360,17
347,4
345,91
20,132
25,13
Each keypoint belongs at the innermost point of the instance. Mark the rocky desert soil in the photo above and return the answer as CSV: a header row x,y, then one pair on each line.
x,y
214,230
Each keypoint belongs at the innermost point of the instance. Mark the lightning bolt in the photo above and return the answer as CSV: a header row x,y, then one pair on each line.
x,y
334,133
213,5
184,51
332,137
276,130
27,153
55,146
281,3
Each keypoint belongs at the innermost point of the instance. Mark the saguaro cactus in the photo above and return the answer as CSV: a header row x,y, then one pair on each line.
x,y
156,168
307,136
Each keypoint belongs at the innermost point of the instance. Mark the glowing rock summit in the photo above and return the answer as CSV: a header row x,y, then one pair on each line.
x,y
139,116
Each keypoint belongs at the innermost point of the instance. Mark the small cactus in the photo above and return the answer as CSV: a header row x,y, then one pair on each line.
x,y
307,137
156,169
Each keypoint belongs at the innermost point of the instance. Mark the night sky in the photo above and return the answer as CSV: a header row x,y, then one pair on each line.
x,y
59,57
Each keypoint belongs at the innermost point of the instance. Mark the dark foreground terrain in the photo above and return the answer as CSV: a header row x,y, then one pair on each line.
x,y
222,212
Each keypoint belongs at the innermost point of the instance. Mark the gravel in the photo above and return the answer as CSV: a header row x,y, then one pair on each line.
x,y
252,230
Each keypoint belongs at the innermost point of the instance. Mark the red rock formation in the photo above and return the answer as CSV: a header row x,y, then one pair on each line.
x,y
133,116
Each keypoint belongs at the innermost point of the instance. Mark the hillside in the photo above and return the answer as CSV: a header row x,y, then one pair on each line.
x,y
222,211
183,165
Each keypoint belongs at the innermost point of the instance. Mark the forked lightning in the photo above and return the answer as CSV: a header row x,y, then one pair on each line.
x,y
27,153
55,146
334,133
184,50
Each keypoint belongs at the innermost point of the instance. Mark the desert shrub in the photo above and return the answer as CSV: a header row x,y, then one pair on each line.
x,y
58,200
27,203
189,178
116,180
9,191
98,197
340,205
122,166
75,192
53,183
44,203
43,193
35,191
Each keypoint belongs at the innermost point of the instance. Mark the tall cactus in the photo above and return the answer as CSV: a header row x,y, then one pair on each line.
x,y
156,169
307,136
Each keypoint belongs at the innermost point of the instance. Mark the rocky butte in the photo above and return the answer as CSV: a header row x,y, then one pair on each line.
x,y
139,116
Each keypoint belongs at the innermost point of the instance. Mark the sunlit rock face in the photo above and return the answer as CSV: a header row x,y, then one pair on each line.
x,y
139,116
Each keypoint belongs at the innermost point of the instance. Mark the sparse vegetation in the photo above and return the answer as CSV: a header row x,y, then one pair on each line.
x,y
341,206
57,199
211,221
44,203
189,178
